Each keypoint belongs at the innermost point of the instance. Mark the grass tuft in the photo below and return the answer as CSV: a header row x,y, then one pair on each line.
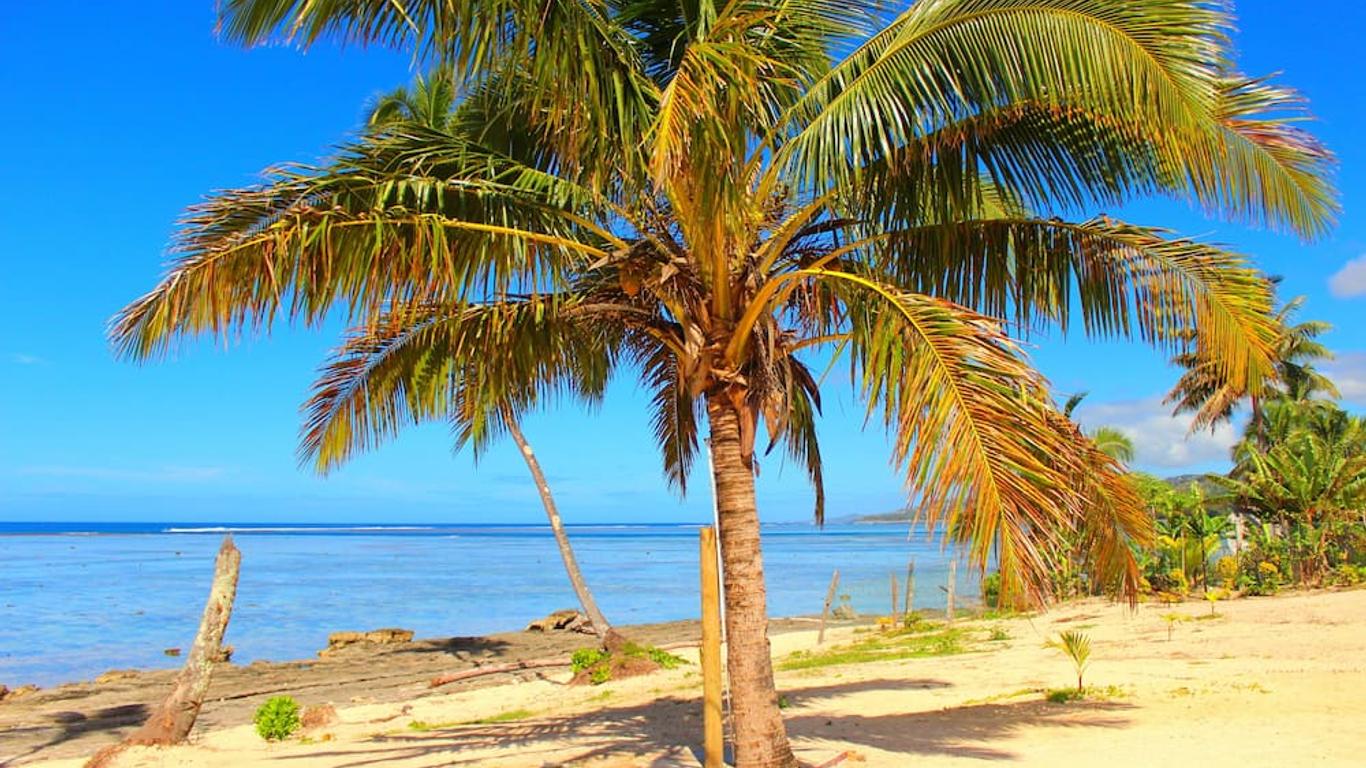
x,y
892,647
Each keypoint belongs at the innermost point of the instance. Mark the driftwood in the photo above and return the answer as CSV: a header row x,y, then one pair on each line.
x,y
171,722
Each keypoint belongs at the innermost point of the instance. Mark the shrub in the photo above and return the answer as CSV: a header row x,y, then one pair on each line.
x,y
585,658
1226,571
277,718
991,590
1347,575
602,666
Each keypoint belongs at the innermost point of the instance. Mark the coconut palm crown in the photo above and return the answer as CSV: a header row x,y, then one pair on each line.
x,y
712,198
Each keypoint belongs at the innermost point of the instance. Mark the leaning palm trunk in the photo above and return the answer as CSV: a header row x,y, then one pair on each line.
x,y
571,564
760,739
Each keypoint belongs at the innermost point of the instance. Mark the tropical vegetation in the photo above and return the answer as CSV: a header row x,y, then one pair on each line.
x,y
1297,490
715,199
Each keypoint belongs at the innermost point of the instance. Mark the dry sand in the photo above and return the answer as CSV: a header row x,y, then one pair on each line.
x,y
1271,681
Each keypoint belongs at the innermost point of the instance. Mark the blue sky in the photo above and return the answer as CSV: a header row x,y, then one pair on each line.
x,y
121,115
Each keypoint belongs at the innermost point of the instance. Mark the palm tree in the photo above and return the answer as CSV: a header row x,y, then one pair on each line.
x,y
1110,441
1201,391
430,104
706,196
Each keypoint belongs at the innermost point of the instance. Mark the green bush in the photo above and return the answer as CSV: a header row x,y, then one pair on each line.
x,y
585,658
277,718
601,665
991,590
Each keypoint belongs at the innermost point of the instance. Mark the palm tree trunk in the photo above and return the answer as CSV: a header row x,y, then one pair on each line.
x,y
760,738
571,565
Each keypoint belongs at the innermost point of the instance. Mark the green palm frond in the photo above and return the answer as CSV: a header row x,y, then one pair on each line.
x,y
464,365
1128,281
1114,443
1136,84
412,217
970,424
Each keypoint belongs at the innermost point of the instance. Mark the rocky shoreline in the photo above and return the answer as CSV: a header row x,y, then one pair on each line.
x,y
78,718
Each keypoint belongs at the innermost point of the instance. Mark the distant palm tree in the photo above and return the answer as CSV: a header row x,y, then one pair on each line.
x,y
1202,391
701,196
1109,440
1114,443
430,104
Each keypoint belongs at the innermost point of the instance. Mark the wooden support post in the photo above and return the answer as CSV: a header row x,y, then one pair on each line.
x,y
712,728
829,601
895,585
910,587
953,585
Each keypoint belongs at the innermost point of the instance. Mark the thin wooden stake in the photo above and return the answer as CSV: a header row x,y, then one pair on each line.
x,y
953,585
910,589
713,735
829,599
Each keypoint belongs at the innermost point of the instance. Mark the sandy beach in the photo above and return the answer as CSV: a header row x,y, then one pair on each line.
x,y
1267,681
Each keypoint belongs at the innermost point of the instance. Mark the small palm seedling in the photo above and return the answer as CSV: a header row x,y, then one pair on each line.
x,y
1171,619
1213,596
1077,647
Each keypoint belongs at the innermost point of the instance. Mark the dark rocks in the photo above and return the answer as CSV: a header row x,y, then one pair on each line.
x,y
172,651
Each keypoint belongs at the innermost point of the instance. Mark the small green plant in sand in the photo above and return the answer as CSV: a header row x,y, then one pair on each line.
x,y
1077,647
277,718
1172,619
998,634
1213,596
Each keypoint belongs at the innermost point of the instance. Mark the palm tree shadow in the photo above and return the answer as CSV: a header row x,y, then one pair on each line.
x,y
70,725
966,731
647,730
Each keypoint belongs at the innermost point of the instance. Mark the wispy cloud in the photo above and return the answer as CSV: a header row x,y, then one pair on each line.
x,y
1348,371
126,474
1160,439
19,358
1350,281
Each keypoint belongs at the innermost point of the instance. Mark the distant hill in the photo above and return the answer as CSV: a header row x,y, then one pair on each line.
x,y
1182,482
895,516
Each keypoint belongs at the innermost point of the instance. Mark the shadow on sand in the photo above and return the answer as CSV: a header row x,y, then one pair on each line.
x,y
668,723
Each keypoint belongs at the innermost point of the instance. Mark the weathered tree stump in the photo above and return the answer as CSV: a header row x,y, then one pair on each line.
x,y
171,722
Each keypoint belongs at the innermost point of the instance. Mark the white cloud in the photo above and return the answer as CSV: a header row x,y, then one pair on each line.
x,y
1349,281
19,358
159,474
1348,371
1160,439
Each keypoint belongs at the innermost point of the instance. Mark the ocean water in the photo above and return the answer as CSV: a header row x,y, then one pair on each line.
x,y
76,600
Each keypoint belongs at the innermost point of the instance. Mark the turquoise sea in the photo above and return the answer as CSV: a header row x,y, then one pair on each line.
x,y
79,599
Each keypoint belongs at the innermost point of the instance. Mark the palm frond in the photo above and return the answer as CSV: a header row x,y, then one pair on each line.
x,y
970,424
458,364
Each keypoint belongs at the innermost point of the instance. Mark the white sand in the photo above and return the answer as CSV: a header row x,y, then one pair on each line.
x,y
1273,681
